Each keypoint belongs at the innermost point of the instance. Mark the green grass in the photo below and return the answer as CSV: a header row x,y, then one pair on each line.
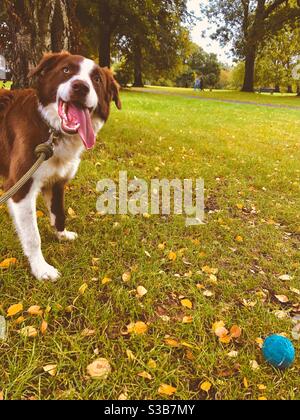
x,y
249,158
261,98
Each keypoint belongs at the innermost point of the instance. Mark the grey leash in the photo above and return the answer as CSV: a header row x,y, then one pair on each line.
x,y
43,152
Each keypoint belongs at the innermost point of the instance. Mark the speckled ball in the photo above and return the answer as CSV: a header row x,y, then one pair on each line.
x,y
279,352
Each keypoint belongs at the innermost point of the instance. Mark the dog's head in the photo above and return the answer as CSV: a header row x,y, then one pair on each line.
x,y
75,94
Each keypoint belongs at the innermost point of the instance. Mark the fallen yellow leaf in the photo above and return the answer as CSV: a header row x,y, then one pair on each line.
x,y
106,280
152,364
172,343
138,328
239,239
83,289
172,256
168,390
187,303
206,386
8,262
14,310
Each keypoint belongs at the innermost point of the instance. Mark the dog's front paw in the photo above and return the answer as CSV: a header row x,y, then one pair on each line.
x,y
67,236
44,271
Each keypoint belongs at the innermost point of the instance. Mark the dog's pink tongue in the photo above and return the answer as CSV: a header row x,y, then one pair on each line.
x,y
86,131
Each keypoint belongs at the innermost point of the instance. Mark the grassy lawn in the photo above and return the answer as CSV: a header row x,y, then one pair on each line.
x,y
249,158
262,98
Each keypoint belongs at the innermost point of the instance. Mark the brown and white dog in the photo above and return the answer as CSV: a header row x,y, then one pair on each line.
x,y
73,97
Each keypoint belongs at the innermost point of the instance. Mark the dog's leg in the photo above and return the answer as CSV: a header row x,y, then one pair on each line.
x,y
24,215
54,198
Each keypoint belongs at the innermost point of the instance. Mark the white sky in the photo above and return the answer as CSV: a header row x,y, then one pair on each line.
x,y
204,40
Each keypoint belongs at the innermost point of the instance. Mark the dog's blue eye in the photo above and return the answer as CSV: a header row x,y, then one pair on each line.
x,y
66,70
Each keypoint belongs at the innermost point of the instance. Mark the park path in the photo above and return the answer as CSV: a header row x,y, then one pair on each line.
x,y
201,98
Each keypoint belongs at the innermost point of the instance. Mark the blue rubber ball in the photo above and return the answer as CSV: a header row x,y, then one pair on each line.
x,y
279,352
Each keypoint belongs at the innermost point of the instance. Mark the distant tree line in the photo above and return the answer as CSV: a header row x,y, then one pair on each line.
x,y
149,41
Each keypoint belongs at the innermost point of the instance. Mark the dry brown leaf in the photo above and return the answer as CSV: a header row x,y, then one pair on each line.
x,y
51,370
20,320
222,332
282,298
29,332
145,375
14,310
172,343
233,354
99,369
141,291
285,277
35,310
168,390
126,277
71,213
217,325
88,333
235,331
188,320
254,365
44,327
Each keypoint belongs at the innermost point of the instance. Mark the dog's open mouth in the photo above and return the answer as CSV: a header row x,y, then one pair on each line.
x,y
75,119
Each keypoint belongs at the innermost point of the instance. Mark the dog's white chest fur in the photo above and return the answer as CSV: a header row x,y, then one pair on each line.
x,y
64,163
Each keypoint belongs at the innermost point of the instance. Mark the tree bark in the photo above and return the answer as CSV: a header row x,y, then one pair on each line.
x,y
138,64
248,85
290,89
105,34
36,27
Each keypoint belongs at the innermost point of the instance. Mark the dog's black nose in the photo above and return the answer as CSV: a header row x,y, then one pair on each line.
x,y
80,87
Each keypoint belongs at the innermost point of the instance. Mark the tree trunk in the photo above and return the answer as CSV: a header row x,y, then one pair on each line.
x,y
138,59
36,27
290,89
105,34
277,88
249,69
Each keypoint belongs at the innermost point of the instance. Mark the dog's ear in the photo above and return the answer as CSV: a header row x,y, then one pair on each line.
x,y
113,87
116,94
47,62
